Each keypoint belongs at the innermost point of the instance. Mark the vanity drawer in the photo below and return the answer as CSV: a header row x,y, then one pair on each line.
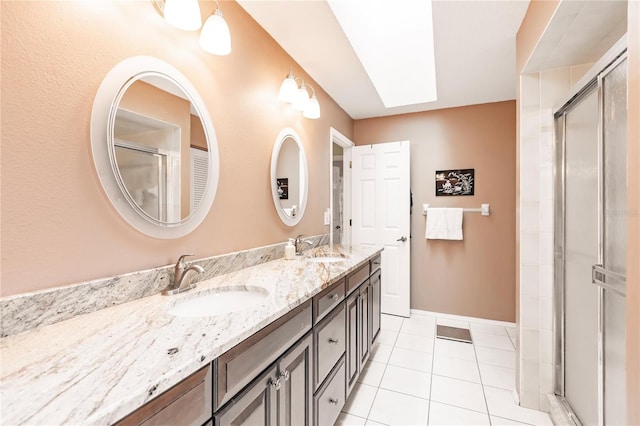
x,y
187,403
357,277
239,365
329,343
328,299
331,398
376,263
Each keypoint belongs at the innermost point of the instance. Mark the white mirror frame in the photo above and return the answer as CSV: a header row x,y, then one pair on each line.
x,y
101,141
304,177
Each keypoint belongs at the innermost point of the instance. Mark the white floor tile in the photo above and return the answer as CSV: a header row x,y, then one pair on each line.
x,y
493,341
421,326
360,400
441,414
381,352
458,393
453,349
372,373
387,337
488,328
403,380
418,343
500,402
496,357
499,421
409,358
498,377
394,408
391,322
345,419
456,368
372,423
453,322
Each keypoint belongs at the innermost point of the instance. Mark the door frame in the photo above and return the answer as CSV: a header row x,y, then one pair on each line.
x,y
339,139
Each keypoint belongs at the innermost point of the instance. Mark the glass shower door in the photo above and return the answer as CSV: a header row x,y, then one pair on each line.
x,y
581,252
591,249
612,282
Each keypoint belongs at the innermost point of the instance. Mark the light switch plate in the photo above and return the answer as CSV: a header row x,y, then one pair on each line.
x,y
327,217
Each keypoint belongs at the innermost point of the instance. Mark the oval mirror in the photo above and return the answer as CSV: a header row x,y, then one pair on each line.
x,y
154,147
289,177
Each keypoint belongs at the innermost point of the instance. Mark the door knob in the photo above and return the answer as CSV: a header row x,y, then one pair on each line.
x,y
403,239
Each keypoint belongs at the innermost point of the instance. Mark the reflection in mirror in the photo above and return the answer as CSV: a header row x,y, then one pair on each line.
x,y
154,147
289,177
337,192
158,139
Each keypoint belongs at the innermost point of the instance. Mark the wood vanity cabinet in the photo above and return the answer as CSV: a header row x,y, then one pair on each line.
x,y
187,403
282,395
297,371
363,319
376,295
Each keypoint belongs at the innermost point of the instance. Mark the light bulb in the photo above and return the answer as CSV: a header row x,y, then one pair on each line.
x,y
215,37
288,89
312,110
183,14
302,98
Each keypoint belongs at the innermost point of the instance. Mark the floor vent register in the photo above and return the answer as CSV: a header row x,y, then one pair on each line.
x,y
454,333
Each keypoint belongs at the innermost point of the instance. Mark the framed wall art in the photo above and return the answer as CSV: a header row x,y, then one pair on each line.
x,y
455,182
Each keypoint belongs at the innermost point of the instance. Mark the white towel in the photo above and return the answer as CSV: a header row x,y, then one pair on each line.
x,y
444,224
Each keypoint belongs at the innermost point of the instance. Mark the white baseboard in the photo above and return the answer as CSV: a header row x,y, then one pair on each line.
x,y
463,318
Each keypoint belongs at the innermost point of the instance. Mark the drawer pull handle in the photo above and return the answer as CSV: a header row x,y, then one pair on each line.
x,y
332,340
275,384
335,296
285,376
333,401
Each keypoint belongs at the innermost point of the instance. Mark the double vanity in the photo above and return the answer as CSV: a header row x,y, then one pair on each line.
x,y
285,346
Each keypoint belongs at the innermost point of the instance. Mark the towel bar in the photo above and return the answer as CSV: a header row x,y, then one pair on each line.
x,y
484,209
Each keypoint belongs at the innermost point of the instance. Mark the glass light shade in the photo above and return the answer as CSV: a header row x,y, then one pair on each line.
x,y
215,37
288,89
302,98
183,14
313,108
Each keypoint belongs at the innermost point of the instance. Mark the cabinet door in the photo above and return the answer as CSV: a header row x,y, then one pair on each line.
x,y
351,363
376,282
364,327
256,405
296,389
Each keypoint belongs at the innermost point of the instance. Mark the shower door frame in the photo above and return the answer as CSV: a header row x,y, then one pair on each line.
x,y
591,81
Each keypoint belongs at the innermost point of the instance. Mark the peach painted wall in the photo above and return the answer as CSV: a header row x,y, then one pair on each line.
x,y
58,226
198,139
633,217
474,277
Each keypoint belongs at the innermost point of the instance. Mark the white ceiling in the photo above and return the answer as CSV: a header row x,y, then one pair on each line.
x,y
474,51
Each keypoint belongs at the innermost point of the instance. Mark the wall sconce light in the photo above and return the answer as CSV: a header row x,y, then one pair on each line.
x,y
185,15
298,97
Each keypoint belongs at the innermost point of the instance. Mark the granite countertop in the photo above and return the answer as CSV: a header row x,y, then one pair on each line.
x,y
98,367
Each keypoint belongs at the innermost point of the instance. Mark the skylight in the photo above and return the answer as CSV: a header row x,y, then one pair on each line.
x,y
394,42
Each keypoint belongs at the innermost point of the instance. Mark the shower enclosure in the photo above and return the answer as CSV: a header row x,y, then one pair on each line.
x,y
590,249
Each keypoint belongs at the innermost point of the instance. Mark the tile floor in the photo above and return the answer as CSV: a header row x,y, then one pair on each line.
x,y
412,378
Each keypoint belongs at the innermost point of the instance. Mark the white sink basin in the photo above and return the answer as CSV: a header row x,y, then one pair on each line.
x,y
220,302
326,259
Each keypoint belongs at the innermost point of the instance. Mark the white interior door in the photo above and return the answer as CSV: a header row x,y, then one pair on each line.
x,y
380,208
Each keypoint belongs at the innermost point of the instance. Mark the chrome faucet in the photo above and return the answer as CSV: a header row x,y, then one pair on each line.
x,y
299,242
180,273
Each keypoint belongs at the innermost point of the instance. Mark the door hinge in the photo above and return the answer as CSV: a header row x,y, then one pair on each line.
x,y
350,224
350,164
